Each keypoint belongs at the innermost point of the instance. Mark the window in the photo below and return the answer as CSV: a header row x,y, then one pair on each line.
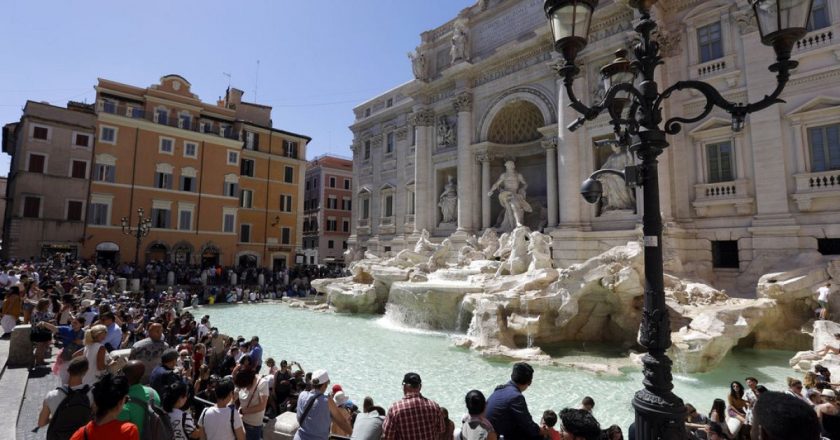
x,y
344,245
252,140
389,143
81,140
231,189
104,173
289,176
185,220
389,103
366,154
346,183
246,198
345,226
37,163
245,233
246,167
228,222
825,147
332,182
188,183
134,112
285,236
74,210
285,203
163,180
346,204
185,121
78,169
190,149
710,42
330,244
365,208
160,218
32,207
367,112
332,225
42,133
819,16
411,203
828,246
332,203
108,135
167,145
389,205
413,136
162,116
290,149
233,158
109,106
720,161
725,254
98,214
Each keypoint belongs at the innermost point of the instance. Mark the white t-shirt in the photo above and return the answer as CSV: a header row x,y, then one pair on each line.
x,y
182,424
216,423
246,400
824,293
55,397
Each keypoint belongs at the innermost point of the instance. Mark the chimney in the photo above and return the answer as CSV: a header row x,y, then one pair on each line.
x,y
234,97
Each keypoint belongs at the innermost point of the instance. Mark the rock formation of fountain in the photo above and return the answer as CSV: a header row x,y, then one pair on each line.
x,y
515,301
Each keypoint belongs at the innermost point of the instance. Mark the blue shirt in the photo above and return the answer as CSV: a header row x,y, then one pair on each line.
x,y
114,336
256,355
508,412
318,420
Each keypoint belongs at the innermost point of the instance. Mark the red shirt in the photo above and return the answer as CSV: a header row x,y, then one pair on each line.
x,y
413,418
113,430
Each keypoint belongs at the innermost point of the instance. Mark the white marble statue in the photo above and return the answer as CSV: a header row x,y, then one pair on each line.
x,y
617,196
439,258
489,242
418,63
448,202
422,251
518,260
512,196
539,249
459,50
446,132
349,255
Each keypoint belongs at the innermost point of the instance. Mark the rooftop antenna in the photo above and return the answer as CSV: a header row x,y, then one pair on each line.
x,y
228,77
257,81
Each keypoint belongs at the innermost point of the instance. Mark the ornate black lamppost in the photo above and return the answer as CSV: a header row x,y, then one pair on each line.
x,y
144,225
636,115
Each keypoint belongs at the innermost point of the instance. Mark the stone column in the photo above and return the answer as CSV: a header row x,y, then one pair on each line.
x,y
485,189
550,146
424,120
569,161
466,164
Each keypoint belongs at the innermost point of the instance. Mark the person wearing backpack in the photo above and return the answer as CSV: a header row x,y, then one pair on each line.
x,y
67,408
222,422
109,396
139,396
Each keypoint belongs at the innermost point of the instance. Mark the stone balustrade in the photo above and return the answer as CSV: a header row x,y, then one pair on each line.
x,y
731,194
817,187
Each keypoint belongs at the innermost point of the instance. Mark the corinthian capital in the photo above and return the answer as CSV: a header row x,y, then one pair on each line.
x,y
422,118
551,142
463,102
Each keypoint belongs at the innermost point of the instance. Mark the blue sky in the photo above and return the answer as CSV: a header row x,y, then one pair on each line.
x,y
317,59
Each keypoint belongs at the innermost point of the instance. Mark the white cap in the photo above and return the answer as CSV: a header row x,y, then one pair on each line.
x,y
340,398
320,377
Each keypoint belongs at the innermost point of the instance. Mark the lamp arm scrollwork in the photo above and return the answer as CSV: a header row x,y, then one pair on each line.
x,y
589,113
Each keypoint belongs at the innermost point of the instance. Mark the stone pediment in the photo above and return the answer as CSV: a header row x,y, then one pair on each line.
x,y
818,103
710,124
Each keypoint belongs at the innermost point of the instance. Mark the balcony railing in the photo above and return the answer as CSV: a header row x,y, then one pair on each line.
x,y
817,182
364,223
170,119
727,195
721,190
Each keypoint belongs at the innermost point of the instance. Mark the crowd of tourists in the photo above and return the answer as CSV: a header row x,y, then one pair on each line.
x,y
183,378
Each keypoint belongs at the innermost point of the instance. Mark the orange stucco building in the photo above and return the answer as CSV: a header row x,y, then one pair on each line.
x,y
219,184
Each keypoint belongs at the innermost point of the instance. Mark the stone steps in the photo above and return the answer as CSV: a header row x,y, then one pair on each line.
x,y
12,387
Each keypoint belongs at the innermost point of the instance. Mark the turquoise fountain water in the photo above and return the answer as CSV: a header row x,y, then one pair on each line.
x,y
369,355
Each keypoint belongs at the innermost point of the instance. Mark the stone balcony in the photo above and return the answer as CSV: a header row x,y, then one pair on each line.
x,y
387,225
813,190
409,222
363,226
723,198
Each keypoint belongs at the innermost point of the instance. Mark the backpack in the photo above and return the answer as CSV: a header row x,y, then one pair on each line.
x,y
156,423
72,413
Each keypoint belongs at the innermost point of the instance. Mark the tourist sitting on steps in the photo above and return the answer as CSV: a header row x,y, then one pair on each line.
x,y
67,408
779,416
109,396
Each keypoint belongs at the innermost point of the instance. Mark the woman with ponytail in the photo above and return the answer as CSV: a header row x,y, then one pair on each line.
x,y
95,353
109,395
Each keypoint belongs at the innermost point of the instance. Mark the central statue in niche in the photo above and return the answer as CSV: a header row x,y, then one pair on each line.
x,y
512,187
448,202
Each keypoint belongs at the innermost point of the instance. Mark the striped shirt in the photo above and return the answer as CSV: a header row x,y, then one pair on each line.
x,y
414,418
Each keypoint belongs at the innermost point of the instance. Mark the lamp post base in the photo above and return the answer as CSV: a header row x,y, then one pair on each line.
x,y
660,414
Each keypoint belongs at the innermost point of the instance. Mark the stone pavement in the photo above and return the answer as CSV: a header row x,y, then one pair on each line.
x,y
39,382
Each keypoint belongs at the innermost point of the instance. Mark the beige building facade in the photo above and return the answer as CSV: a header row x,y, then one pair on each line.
x,y
47,188
736,205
